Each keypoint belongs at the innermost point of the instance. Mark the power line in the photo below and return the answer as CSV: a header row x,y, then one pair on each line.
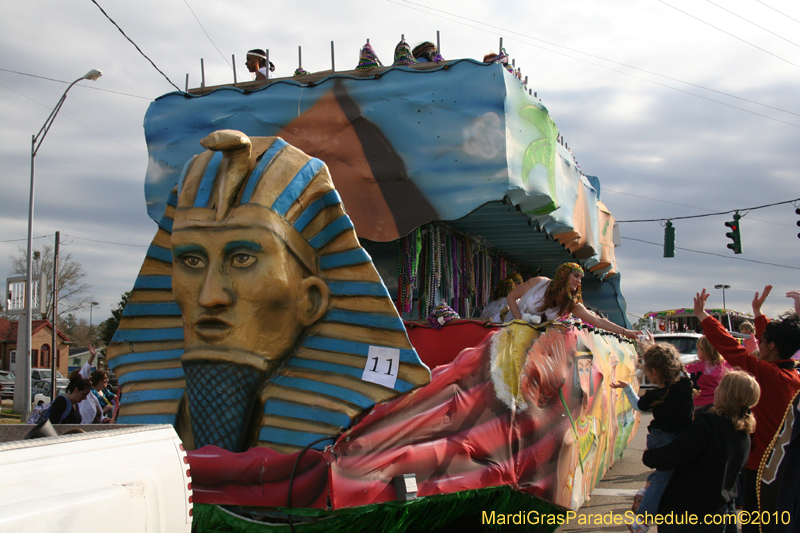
x,y
39,237
82,85
75,121
753,23
105,242
710,214
207,35
727,33
687,205
134,44
781,12
602,59
504,30
711,253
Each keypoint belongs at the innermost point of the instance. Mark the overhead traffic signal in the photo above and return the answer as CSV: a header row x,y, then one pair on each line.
x,y
797,212
669,240
735,234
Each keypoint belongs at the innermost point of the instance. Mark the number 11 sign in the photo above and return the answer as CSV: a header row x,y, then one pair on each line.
x,y
382,366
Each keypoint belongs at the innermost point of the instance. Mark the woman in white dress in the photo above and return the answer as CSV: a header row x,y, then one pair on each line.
x,y
554,298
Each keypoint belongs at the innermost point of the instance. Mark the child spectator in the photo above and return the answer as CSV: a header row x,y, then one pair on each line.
x,y
706,374
708,456
750,343
671,404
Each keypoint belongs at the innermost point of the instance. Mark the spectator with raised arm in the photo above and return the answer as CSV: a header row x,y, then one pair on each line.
x,y
775,372
86,369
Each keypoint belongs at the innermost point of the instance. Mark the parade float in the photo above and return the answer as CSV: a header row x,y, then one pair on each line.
x,y
305,315
684,319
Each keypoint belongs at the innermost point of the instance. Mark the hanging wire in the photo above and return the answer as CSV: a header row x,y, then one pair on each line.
x,y
753,23
744,209
730,34
134,44
494,29
711,253
781,12
207,35
73,120
84,86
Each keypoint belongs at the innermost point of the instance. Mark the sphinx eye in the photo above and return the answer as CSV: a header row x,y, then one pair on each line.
x,y
242,260
193,261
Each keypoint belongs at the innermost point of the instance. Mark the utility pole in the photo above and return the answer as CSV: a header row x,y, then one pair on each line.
x,y
54,346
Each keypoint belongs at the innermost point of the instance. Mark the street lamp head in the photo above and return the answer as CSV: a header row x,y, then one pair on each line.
x,y
722,286
95,303
93,75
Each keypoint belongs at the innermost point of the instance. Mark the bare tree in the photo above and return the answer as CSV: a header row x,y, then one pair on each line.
x,y
71,287
79,330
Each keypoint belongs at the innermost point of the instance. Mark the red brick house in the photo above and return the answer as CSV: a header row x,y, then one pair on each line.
x,y
41,350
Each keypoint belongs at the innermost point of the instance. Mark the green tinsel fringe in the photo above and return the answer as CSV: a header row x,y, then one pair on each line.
x,y
422,515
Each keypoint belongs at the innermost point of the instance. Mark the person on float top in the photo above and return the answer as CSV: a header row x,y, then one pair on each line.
x,y
774,371
706,373
708,456
64,409
426,52
257,62
540,296
671,405
494,309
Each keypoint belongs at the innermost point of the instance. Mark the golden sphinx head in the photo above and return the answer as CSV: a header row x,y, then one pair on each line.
x,y
244,273
244,276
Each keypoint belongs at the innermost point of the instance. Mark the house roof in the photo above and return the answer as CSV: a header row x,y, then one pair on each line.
x,y
8,329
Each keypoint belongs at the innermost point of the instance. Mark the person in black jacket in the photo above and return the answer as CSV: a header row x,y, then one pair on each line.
x,y
64,409
672,406
707,458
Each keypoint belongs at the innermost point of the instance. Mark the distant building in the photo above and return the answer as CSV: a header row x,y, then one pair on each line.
x,y
78,356
41,349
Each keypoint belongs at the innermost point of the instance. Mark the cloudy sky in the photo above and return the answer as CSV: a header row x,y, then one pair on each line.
x,y
680,108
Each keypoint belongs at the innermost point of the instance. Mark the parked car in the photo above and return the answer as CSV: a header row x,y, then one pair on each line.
x,y
685,343
44,374
6,384
42,387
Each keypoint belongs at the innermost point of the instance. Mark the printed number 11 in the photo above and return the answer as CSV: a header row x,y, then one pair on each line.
x,y
375,366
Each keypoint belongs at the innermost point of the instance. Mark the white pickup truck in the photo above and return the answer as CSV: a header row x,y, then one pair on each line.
x,y
123,478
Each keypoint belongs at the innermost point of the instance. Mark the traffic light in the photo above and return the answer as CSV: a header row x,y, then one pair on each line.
x,y
797,212
735,234
669,240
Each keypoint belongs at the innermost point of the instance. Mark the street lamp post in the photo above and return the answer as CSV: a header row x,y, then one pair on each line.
x,y
91,306
723,287
36,143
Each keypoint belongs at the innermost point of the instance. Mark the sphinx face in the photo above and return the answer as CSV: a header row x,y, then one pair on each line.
x,y
241,293
585,375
